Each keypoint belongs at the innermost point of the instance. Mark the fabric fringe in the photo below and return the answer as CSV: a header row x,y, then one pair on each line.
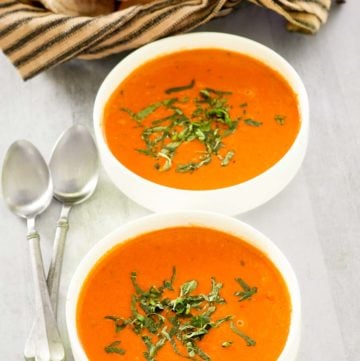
x,y
35,39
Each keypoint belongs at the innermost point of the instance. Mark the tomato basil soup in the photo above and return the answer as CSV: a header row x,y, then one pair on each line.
x,y
201,119
184,292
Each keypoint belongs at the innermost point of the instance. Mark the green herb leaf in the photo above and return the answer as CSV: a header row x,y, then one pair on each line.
x,y
218,322
135,284
113,348
280,119
247,291
169,102
184,100
192,166
148,152
180,88
168,284
222,115
142,114
202,354
214,295
120,322
249,341
252,122
229,155
130,112
152,348
187,288
218,92
168,161
226,344
205,94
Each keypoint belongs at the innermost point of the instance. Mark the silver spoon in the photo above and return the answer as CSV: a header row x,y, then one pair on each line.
x,y
27,190
74,169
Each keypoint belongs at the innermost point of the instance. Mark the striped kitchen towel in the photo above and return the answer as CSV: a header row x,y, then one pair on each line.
x,y
36,39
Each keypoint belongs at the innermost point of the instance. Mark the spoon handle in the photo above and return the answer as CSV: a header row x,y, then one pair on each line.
x,y
53,278
48,345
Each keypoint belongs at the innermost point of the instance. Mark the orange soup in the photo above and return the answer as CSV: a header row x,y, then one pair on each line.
x,y
201,119
185,292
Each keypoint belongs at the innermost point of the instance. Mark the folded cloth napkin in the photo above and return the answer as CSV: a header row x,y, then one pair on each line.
x,y
36,39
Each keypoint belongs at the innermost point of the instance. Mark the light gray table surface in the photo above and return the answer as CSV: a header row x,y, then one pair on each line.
x,y
315,220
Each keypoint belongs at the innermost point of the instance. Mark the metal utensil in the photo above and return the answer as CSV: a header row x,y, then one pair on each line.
x,y
27,190
74,169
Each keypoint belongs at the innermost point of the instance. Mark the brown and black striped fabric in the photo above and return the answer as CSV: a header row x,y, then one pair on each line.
x,y
35,39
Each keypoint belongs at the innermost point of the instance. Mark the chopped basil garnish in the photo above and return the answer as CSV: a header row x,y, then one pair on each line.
x,y
183,320
209,123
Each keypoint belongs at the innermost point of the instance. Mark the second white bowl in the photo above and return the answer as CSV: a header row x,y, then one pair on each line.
x,y
186,219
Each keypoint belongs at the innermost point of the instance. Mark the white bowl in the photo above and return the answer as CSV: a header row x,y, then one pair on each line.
x,y
176,219
229,200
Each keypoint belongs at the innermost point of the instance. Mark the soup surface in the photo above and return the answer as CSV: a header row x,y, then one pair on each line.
x,y
185,291
201,119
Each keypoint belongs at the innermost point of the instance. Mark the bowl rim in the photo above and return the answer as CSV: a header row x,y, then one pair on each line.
x,y
216,37
164,220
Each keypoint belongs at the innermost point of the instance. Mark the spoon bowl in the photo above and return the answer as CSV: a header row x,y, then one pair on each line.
x,y
74,166
26,181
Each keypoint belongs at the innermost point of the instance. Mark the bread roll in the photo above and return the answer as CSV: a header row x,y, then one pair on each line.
x,y
80,7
